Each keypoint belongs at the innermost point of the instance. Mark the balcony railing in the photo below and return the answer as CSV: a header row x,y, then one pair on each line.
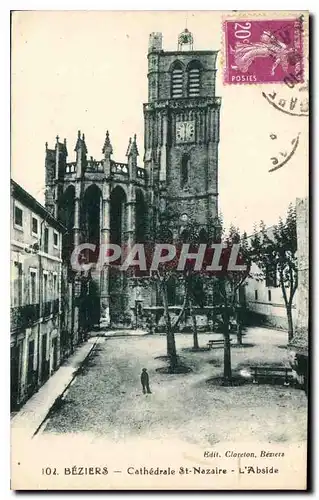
x,y
94,165
119,168
24,316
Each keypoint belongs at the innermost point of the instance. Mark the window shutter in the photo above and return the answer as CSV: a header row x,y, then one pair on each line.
x,y
177,83
193,82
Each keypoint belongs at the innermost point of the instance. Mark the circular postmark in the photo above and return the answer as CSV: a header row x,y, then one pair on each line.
x,y
293,103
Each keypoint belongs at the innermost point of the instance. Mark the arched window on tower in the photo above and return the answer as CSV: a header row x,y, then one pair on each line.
x,y
185,170
184,236
193,82
177,80
203,236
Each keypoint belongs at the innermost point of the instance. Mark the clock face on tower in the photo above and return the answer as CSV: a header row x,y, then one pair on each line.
x,y
185,132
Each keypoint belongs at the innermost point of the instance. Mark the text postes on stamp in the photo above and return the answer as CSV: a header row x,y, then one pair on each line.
x,y
262,51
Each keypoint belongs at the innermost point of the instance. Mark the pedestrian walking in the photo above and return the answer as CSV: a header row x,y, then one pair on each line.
x,y
145,382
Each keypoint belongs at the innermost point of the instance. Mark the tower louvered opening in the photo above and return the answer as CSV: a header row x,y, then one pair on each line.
x,y
177,82
194,81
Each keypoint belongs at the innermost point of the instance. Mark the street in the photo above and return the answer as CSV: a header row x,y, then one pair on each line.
x,y
106,399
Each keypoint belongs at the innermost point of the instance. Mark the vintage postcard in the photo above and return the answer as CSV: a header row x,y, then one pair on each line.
x,y
159,250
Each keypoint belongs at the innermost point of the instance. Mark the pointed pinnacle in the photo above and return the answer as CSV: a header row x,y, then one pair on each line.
x,y
107,147
134,149
78,142
65,146
83,143
129,147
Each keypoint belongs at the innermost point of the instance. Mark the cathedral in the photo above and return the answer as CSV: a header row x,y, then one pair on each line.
x,y
172,185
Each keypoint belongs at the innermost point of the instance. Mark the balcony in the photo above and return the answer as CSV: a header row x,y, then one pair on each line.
x,y
50,307
24,316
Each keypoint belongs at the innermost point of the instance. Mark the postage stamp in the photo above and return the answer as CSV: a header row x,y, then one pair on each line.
x,y
263,51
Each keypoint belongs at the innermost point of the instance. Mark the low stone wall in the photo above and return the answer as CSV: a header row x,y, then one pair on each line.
x,y
253,318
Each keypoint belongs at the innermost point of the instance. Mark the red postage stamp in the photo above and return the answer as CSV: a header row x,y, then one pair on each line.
x,y
263,51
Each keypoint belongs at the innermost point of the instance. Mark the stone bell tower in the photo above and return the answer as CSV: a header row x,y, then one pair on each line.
x,y
182,134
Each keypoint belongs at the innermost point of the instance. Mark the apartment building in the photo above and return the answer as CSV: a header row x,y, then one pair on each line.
x,y
36,271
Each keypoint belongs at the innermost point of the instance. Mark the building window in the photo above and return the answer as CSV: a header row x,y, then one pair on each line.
x,y
55,286
30,372
194,79
177,81
46,240
34,226
256,294
55,239
33,287
271,276
45,288
17,284
18,217
269,295
184,170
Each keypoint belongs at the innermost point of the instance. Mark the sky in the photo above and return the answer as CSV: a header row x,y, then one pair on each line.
x,y
87,70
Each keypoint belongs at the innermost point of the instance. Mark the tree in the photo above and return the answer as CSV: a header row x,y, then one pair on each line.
x,y
228,285
194,290
169,271
193,277
275,251
226,282
161,277
193,280
194,296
